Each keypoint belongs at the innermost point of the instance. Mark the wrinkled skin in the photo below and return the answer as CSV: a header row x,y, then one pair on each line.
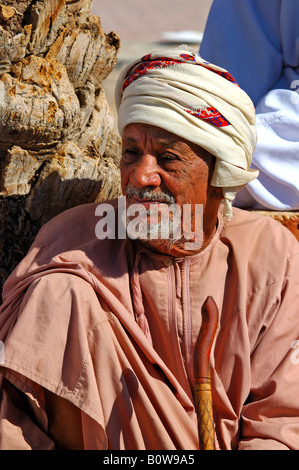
x,y
162,162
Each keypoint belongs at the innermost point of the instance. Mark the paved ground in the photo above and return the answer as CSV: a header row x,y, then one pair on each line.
x,y
145,25
147,20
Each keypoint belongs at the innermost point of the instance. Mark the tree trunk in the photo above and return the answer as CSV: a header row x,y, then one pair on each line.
x,y
58,148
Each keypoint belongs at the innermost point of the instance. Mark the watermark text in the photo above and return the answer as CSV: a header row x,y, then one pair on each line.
x,y
152,221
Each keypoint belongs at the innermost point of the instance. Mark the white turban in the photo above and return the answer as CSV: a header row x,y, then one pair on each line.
x,y
182,93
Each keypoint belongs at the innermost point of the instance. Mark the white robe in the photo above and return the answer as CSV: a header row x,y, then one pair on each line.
x,y
258,42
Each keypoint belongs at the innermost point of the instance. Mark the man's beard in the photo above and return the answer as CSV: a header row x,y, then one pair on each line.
x,y
161,222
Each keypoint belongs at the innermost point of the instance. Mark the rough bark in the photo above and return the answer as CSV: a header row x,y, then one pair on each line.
x,y
58,148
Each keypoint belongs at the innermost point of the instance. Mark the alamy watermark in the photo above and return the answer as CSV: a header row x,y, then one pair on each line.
x,y
295,95
155,221
2,357
295,353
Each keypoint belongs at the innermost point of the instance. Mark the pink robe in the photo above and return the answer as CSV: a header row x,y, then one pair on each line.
x,y
112,327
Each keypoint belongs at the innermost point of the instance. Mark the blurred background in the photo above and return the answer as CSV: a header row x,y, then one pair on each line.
x,y
145,25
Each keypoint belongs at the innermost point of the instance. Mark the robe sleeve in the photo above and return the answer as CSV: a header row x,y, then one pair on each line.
x,y
48,349
270,415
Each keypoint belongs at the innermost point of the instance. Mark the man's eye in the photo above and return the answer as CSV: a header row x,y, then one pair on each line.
x,y
168,157
130,154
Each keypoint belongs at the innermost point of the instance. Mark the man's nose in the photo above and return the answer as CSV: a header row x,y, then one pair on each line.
x,y
146,172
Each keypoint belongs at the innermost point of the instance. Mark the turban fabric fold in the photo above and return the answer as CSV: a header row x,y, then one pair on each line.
x,y
178,91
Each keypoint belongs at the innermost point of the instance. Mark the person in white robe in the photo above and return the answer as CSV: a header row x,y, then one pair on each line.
x,y
258,41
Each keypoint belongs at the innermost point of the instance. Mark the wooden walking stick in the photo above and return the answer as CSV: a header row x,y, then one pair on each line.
x,y
203,390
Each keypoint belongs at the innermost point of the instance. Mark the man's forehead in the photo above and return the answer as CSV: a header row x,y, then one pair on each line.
x,y
136,133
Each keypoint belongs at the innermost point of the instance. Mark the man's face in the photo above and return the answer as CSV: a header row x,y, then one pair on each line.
x,y
158,166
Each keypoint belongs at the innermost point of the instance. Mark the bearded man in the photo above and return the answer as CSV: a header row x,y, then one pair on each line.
x,y
99,331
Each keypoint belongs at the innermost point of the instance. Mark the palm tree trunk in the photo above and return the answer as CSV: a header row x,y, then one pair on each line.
x,y
58,148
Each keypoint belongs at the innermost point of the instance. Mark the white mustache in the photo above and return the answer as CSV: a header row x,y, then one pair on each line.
x,y
150,195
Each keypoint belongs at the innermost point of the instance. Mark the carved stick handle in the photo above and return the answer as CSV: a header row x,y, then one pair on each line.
x,y
203,389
